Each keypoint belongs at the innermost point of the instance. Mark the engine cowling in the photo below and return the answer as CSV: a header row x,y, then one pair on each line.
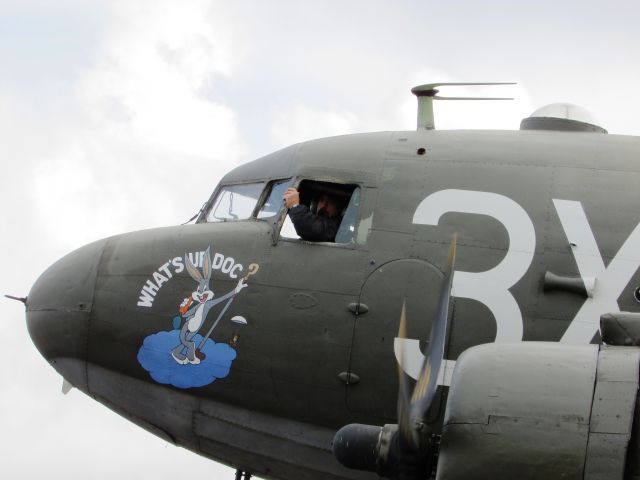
x,y
539,410
533,410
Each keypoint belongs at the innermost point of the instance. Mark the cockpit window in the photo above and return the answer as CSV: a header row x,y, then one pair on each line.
x,y
235,202
273,205
314,196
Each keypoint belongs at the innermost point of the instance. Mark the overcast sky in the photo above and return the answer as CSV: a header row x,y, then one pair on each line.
x,y
118,116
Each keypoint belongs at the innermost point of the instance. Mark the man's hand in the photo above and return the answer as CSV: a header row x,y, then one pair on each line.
x,y
291,197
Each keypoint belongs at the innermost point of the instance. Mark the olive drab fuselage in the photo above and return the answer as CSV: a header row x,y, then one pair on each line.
x,y
308,344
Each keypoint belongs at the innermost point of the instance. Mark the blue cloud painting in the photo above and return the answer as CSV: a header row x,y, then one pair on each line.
x,y
155,357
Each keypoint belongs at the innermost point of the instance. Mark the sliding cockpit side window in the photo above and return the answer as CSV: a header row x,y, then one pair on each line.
x,y
235,202
347,231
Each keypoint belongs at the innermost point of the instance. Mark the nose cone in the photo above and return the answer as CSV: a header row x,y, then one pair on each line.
x,y
59,309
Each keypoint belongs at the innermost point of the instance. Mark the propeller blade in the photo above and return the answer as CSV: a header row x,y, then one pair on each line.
x,y
405,425
427,384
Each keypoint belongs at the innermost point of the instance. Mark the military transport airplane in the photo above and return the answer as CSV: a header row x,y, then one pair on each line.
x,y
499,269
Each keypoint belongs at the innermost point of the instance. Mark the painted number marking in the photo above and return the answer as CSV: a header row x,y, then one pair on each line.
x,y
492,286
610,281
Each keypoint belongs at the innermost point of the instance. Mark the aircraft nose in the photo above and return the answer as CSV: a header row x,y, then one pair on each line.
x,y
59,308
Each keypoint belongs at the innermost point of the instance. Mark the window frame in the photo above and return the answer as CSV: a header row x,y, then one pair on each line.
x,y
265,196
297,181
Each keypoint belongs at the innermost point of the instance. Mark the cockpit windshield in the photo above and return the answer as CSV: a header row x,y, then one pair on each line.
x,y
235,202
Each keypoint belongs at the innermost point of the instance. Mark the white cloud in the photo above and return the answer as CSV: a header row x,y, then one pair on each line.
x,y
302,122
148,145
75,204
159,60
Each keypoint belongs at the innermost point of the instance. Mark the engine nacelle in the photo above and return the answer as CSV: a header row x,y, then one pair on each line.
x,y
538,411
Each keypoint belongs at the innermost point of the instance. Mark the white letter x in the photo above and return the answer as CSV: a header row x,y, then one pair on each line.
x,y
610,281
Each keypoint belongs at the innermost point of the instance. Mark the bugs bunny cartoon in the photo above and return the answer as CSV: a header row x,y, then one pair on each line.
x,y
194,309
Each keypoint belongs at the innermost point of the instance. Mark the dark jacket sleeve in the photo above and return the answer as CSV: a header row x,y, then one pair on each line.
x,y
315,228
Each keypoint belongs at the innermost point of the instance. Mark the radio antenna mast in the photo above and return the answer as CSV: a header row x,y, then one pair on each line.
x,y
428,93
